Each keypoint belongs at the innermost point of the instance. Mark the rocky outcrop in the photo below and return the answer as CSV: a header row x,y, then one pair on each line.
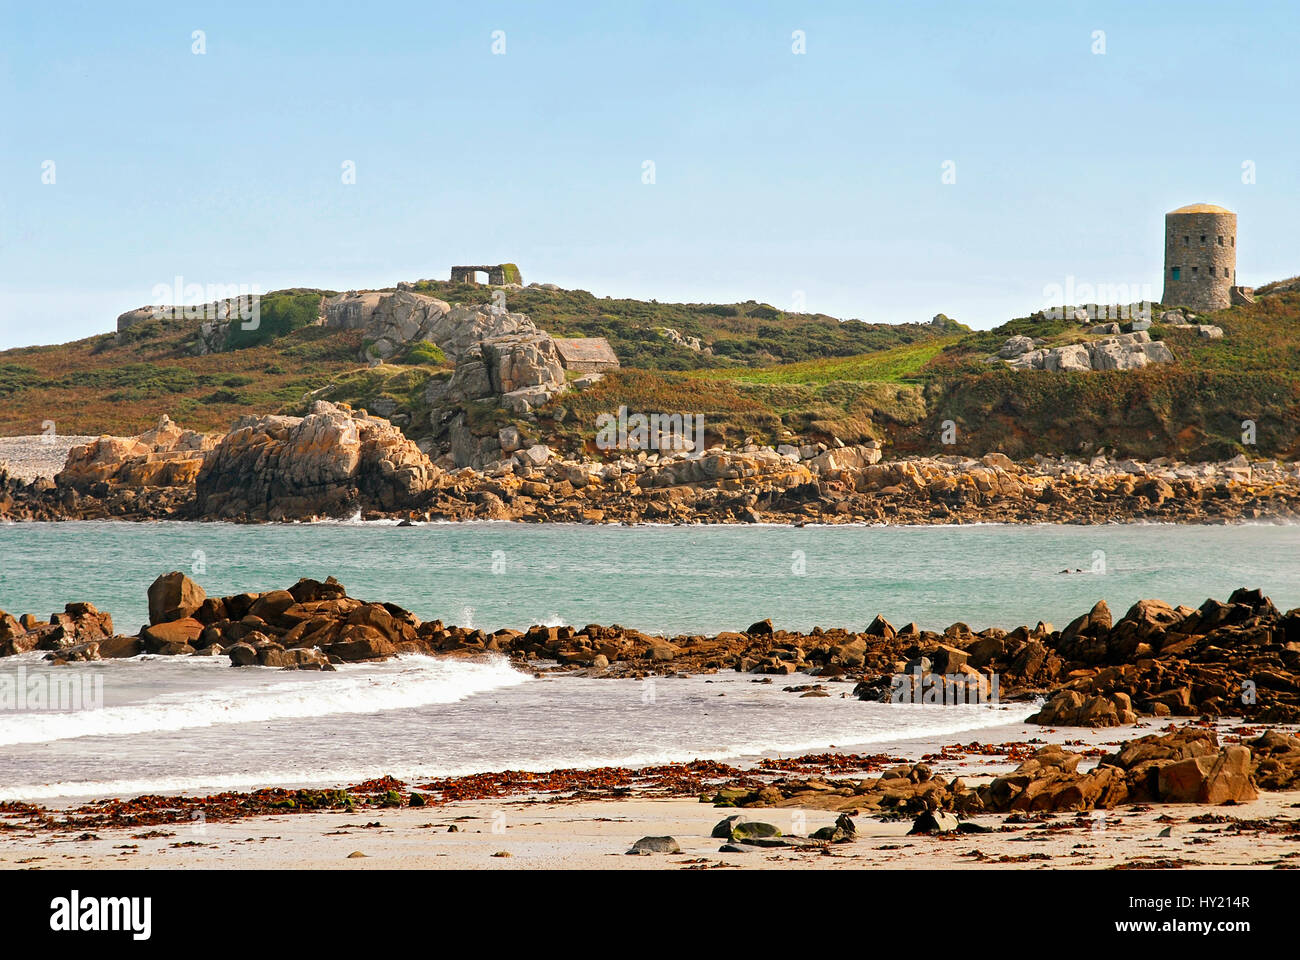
x,y
166,456
391,321
331,462
689,342
1187,766
66,635
1127,351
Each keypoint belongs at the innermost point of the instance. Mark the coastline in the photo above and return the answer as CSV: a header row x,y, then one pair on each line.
x,y
596,819
170,474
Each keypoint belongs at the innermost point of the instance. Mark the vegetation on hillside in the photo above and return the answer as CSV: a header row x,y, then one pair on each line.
x,y
739,334
772,376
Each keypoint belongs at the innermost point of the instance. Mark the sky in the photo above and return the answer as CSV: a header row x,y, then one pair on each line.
x,y
880,161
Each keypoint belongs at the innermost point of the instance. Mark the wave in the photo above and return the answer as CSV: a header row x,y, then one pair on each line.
x,y
924,724
402,684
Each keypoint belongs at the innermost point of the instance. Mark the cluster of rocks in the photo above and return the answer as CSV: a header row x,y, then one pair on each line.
x,y
76,633
310,626
392,320
1241,657
681,340
336,461
1181,317
497,354
1186,766
166,456
1126,351
330,462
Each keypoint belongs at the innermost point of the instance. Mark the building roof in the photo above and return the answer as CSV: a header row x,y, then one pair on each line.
x,y
585,350
1201,208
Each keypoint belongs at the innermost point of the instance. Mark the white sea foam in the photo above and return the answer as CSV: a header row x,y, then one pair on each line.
x,y
884,728
361,689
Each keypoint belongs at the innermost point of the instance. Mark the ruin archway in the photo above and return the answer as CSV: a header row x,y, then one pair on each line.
x,y
497,274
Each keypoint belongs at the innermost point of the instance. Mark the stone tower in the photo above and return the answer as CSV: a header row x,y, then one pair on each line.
x,y
1200,257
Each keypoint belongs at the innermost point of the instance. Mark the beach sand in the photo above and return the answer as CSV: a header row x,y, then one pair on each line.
x,y
596,835
543,832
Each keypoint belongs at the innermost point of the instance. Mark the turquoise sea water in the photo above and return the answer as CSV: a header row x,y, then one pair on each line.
x,y
662,579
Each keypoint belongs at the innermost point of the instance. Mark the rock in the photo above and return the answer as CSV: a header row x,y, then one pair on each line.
x,y
1210,332
391,321
1212,779
1015,347
933,821
328,463
1074,357
537,454
722,829
242,655
120,648
174,596
78,653
649,845
843,831
172,636
165,456
508,437
761,629
745,830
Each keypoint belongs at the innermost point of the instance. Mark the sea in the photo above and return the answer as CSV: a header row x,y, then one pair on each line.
x,y
157,724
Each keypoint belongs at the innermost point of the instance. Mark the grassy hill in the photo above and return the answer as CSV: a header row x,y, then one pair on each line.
x,y
763,373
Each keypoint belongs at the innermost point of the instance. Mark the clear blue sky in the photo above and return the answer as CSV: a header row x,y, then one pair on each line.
x,y
774,172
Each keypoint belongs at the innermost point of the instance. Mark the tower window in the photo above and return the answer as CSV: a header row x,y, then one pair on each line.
x,y
1193,271
1186,241
1234,241
1220,239
1175,273
1202,238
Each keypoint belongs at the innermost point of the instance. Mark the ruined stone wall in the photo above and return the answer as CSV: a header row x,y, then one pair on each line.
x,y
498,274
1202,247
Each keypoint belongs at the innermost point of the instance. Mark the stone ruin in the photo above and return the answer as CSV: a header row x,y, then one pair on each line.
x,y
498,275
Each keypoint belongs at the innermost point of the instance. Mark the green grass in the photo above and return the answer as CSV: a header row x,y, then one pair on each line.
x,y
749,334
901,364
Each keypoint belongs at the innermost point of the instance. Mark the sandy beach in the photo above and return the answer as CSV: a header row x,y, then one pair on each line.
x,y
596,836
536,831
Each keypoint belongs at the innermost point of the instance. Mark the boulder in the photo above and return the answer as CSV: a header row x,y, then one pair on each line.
x,y
649,845
331,462
166,456
1214,779
932,822
170,637
174,596
1015,346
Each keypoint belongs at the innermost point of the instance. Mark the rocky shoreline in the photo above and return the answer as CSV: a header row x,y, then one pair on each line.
x,y
1235,658
339,463
1224,787
1220,682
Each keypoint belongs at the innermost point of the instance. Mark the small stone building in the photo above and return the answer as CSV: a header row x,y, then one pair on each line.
x,y
1201,258
498,274
586,354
